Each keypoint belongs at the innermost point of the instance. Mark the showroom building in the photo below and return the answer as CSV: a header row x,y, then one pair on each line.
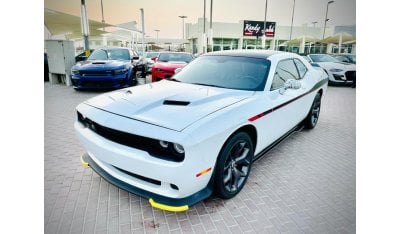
x,y
247,34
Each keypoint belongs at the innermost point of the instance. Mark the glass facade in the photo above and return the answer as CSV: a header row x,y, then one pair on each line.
x,y
225,44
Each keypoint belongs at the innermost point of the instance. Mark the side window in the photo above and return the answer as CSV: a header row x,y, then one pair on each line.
x,y
300,67
285,70
342,59
130,53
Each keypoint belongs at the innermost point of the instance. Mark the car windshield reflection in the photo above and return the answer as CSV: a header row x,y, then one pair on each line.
x,y
231,72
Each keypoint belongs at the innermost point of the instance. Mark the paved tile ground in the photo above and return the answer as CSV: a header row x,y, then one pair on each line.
x,y
305,185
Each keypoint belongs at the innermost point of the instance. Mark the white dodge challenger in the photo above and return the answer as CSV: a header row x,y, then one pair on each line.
x,y
177,141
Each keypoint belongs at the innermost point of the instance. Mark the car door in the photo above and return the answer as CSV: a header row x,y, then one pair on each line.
x,y
288,108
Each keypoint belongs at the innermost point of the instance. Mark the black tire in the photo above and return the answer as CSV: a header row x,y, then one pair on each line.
x,y
133,79
233,165
312,118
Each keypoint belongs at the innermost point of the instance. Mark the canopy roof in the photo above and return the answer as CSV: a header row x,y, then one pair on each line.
x,y
297,41
336,38
59,23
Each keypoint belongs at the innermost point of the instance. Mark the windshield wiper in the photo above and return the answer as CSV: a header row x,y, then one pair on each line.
x,y
211,85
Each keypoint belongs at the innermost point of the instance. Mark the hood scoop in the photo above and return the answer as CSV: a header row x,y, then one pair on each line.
x,y
175,103
98,63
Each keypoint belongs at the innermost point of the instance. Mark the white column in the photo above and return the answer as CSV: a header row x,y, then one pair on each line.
x,y
210,38
302,45
329,48
104,43
263,41
340,42
272,45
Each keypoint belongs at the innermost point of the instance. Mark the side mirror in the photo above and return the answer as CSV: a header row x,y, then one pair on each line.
x,y
290,84
154,59
81,58
179,69
135,58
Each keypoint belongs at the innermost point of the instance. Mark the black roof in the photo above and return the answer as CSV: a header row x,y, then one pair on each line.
x,y
245,53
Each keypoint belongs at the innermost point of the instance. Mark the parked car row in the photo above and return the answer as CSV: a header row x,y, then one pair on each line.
x,y
119,67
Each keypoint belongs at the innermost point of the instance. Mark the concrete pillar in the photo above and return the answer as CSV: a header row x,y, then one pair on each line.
x,y
340,42
302,45
240,44
272,45
104,40
263,41
329,48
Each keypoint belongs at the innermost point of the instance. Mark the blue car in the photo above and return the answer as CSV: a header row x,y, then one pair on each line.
x,y
108,68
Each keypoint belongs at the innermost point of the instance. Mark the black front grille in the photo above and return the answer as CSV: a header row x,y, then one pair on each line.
x,y
99,84
338,77
149,180
96,73
350,75
149,145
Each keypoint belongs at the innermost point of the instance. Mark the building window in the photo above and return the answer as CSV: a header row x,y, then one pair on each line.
x,y
225,44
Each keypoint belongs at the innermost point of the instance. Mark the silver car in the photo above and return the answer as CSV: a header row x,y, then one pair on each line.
x,y
149,56
338,72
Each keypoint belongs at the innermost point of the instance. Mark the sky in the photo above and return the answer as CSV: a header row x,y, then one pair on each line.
x,y
163,14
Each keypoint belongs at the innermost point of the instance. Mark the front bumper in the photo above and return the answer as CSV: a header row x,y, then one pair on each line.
x,y
95,82
174,183
155,200
347,77
159,75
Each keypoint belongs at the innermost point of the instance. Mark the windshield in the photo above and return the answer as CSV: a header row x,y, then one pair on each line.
x,y
230,72
175,57
322,58
352,58
152,55
110,54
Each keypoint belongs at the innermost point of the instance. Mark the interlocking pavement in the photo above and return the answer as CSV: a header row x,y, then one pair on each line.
x,y
307,184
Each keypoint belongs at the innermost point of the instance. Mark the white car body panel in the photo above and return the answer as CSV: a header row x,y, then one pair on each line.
x,y
202,127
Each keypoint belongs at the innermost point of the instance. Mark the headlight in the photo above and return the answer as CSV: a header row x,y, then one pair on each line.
x,y
335,70
175,148
179,148
74,72
120,71
164,144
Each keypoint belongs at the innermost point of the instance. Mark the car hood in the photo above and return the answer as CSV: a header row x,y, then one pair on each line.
x,y
337,65
170,66
168,104
100,64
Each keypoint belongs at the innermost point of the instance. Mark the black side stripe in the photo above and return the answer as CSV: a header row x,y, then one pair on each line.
x,y
316,86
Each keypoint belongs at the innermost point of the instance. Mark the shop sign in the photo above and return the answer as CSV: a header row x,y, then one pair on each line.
x,y
256,28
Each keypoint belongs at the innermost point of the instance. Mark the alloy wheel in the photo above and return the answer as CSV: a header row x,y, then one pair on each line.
x,y
236,168
315,111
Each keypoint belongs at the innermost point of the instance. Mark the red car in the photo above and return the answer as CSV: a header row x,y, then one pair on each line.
x,y
167,62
